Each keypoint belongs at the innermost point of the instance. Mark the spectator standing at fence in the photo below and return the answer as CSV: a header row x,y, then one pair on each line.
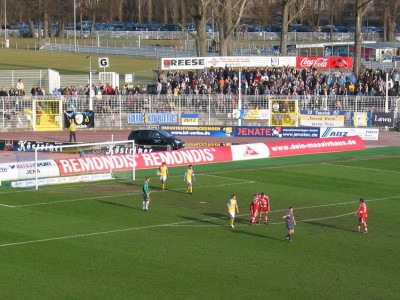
x,y
20,87
55,91
39,112
13,92
72,131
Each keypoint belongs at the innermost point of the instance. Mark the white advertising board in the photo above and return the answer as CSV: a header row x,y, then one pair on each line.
x,y
366,134
249,151
26,170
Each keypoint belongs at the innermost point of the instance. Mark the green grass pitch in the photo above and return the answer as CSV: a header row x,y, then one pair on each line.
x,y
93,241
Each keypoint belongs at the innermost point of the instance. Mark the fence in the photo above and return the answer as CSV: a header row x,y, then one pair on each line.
x,y
46,79
213,109
254,36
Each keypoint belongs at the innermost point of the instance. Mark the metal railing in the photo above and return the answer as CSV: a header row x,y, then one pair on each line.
x,y
213,109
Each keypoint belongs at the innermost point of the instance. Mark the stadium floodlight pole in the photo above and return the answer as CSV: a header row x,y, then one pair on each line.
x,y
39,24
209,109
120,111
36,171
387,93
74,25
240,95
5,21
387,97
4,112
90,82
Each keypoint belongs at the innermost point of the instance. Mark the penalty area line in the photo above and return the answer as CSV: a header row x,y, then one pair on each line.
x,y
95,233
177,224
360,168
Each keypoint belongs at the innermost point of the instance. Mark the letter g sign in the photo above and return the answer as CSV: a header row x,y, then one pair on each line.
x,y
104,62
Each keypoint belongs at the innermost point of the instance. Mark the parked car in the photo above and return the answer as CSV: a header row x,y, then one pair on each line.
x,y
390,58
328,28
190,27
170,27
154,137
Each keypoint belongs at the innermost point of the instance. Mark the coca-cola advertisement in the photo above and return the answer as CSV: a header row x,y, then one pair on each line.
x,y
324,62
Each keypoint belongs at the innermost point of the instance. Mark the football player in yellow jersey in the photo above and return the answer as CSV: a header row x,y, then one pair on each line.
x,y
188,177
232,209
163,173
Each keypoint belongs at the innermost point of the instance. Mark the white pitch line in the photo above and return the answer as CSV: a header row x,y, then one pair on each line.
x,y
5,205
119,195
361,168
230,178
176,224
80,235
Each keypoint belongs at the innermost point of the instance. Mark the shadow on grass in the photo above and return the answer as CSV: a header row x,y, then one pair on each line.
x,y
258,235
129,183
327,225
117,204
240,221
213,219
159,189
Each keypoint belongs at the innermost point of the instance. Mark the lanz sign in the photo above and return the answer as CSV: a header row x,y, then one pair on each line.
x,y
383,119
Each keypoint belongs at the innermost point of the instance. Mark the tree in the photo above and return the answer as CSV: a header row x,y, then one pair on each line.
x,y
392,16
228,14
198,11
286,20
361,7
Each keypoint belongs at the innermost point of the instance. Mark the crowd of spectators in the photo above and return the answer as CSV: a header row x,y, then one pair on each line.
x,y
254,81
224,84
279,81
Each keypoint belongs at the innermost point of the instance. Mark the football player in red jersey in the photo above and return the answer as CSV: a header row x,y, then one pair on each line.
x,y
363,212
254,208
264,207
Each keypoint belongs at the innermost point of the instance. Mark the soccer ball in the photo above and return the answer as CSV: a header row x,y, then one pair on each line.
x,y
158,173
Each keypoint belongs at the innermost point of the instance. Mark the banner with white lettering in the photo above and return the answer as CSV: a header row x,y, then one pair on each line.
x,y
21,145
324,62
366,134
27,170
153,118
198,130
381,119
102,163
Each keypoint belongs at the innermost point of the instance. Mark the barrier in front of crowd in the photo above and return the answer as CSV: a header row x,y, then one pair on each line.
x,y
116,111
